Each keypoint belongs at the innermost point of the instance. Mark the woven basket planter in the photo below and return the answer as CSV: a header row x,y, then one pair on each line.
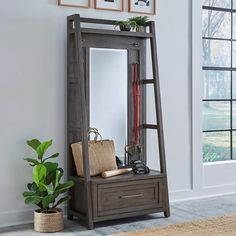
x,y
49,222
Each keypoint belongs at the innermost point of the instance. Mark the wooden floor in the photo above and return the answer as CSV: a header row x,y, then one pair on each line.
x,y
180,212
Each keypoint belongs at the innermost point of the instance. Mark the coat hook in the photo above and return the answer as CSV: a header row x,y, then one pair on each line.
x,y
136,44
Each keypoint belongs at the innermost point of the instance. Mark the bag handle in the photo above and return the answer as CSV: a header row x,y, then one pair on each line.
x,y
96,134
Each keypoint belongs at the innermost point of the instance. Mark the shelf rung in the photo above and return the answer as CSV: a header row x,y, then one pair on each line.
x,y
147,81
148,126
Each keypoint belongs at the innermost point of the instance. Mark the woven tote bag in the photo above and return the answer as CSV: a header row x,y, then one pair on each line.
x,y
101,155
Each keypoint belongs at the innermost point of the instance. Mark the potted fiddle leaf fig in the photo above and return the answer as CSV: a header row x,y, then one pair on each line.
x,y
46,188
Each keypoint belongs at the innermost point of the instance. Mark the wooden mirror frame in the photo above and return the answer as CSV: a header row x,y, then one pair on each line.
x,y
136,51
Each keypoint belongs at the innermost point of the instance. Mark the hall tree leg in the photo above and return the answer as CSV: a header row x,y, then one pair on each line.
x,y
166,197
167,213
90,225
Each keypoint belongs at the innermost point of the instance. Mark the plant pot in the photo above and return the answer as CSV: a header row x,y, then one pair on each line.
x,y
124,28
48,222
140,29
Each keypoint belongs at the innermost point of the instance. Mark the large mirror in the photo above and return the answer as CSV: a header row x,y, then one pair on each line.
x,y
108,95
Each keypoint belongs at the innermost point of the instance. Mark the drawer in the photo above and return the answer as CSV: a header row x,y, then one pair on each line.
x,y
129,196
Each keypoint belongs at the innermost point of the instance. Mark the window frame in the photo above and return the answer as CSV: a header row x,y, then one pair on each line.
x,y
230,69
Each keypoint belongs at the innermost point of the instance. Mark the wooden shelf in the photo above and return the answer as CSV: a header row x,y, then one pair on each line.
x,y
116,32
130,177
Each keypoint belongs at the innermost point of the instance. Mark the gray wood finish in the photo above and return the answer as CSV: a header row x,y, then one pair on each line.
x,y
114,32
160,132
96,199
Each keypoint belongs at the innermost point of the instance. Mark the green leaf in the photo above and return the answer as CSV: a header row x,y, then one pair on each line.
x,y
52,156
28,194
34,143
61,188
32,187
42,187
57,179
64,199
60,174
50,166
39,174
33,200
47,200
51,172
41,149
50,178
31,160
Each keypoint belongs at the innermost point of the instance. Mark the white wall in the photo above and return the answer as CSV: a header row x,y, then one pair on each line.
x,y
33,92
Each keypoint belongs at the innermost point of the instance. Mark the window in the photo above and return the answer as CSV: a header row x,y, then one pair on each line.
x,y
219,80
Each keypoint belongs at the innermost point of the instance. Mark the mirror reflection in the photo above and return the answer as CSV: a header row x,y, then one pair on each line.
x,y
108,95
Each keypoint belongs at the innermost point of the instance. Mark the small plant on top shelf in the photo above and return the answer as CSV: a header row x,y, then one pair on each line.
x,y
126,25
140,22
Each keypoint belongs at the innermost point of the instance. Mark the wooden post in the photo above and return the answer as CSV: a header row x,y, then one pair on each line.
x,y
84,120
157,94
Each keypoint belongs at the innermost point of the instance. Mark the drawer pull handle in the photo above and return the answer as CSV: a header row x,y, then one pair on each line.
x,y
132,196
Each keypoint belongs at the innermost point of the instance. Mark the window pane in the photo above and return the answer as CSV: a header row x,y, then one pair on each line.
x,y
216,146
234,115
216,53
216,115
234,145
217,3
234,54
216,84
216,24
234,24
234,84
234,4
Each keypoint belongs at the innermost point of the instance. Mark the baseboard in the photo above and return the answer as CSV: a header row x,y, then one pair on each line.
x,y
16,217
12,218
214,191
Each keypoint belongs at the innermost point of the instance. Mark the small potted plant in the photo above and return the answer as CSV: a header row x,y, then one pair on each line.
x,y
140,22
46,188
126,25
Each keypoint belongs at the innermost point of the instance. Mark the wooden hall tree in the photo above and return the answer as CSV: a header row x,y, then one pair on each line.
x,y
96,199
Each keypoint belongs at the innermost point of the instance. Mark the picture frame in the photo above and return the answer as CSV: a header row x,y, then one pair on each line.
x,y
147,7
111,5
74,3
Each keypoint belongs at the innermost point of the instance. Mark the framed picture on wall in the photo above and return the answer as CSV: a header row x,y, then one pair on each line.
x,y
112,5
147,7
74,3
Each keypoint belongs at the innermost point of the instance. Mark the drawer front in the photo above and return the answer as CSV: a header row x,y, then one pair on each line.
x,y
127,197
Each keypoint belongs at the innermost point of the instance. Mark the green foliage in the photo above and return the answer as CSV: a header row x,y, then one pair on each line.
x,y
127,24
42,148
140,20
46,188
133,22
